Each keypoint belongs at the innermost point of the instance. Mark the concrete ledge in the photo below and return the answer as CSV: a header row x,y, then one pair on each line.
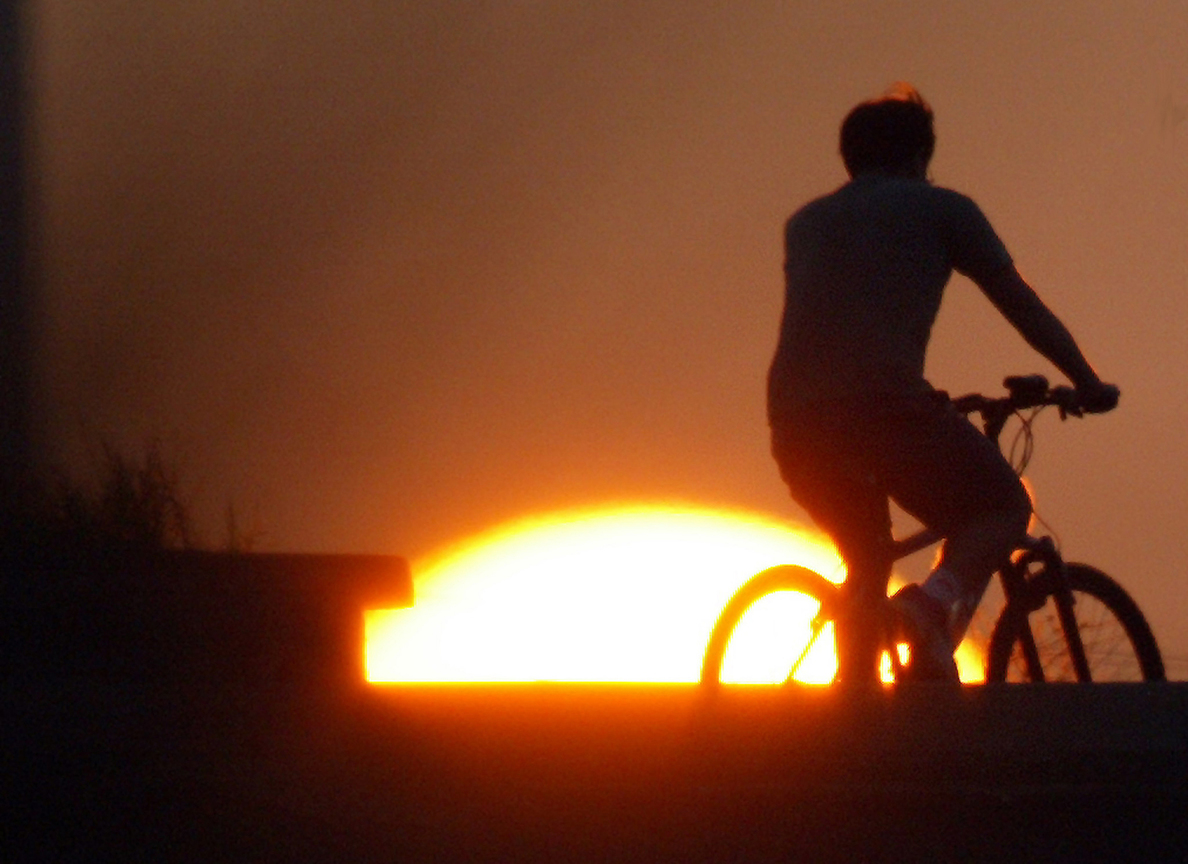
x,y
195,617
334,581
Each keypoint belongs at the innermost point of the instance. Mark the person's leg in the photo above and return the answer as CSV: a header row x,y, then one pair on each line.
x,y
817,461
954,479
969,557
859,634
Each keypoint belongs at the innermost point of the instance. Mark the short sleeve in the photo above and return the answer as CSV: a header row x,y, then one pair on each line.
x,y
973,246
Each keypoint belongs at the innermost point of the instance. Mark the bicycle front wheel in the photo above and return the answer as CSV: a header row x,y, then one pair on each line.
x,y
1030,642
806,643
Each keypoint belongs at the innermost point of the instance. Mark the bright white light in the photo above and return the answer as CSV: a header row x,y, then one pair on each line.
x,y
621,595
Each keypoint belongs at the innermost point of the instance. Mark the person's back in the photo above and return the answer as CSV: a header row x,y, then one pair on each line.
x,y
853,420
866,268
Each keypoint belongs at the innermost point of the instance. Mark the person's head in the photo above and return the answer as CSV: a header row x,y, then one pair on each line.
x,y
890,135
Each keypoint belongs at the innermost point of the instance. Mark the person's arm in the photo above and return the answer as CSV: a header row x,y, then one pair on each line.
x,y
1036,323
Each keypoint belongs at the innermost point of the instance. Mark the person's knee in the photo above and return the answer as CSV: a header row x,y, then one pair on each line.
x,y
1004,530
1018,515
1009,517
987,538
1012,528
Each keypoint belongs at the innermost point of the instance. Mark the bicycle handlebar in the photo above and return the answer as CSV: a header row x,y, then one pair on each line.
x,y
1023,391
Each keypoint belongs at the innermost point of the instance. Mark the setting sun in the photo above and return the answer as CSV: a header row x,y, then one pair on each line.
x,y
624,595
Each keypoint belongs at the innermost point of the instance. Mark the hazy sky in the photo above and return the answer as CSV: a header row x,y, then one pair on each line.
x,y
383,274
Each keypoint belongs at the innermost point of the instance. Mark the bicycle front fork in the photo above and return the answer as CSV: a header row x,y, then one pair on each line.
x,y
1052,579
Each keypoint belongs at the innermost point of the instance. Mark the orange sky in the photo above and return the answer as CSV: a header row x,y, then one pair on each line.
x,y
385,274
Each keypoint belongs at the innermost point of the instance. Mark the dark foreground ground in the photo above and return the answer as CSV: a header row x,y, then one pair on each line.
x,y
571,773
186,742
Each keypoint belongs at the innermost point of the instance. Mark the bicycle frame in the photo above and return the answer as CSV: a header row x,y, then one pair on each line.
x,y
1034,576
1015,577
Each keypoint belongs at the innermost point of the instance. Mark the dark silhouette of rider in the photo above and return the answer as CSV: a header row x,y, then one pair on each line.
x,y
854,423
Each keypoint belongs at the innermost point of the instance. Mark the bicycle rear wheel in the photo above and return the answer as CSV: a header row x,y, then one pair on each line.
x,y
1118,643
801,643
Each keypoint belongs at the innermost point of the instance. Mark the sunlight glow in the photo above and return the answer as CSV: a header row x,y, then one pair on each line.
x,y
769,637
625,594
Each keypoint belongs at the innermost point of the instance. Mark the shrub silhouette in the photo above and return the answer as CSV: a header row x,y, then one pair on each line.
x,y
133,504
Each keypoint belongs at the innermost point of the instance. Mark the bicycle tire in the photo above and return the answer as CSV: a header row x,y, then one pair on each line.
x,y
1119,644
786,577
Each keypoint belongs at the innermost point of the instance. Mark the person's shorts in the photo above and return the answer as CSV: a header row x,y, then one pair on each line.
x,y
843,460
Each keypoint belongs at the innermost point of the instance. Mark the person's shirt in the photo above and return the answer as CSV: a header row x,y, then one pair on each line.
x,y
865,268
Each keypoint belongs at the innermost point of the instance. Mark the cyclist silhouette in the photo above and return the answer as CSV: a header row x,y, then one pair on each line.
x,y
855,424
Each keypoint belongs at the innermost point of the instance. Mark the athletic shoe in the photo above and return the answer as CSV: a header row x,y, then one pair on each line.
x,y
926,620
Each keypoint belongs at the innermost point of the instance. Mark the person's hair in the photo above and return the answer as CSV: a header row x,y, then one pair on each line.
x,y
889,133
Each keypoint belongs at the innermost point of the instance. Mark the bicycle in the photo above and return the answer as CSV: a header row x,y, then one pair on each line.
x,y
1061,621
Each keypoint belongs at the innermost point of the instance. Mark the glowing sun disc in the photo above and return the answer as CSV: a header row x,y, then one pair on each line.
x,y
628,594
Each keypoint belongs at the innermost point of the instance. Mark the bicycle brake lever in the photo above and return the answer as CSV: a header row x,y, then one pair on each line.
x,y
1067,402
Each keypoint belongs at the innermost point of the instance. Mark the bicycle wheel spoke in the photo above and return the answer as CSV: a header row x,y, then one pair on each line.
x,y
1104,639
792,620
1116,643
816,627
